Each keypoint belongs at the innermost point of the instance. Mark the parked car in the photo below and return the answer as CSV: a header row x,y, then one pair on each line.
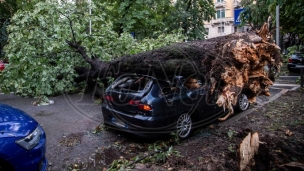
x,y
295,60
145,105
22,141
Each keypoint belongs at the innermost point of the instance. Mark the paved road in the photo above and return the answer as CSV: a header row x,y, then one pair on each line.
x,y
70,121
68,124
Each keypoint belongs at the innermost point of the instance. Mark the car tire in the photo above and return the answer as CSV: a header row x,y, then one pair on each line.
x,y
242,103
184,126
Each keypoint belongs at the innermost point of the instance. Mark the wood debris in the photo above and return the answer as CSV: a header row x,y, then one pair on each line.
x,y
248,148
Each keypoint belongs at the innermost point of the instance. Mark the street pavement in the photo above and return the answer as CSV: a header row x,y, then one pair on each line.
x,y
70,123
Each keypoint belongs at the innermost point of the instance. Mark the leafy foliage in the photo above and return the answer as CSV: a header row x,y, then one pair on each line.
x,y
3,36
41,63
145,17
40,60
8,8
190,16
158,152
291,13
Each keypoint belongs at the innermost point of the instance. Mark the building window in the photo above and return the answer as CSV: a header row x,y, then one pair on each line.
x,y
220,30
220,0
220,14
207,31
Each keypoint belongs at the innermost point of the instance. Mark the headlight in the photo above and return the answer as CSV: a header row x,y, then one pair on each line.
x,y
31,140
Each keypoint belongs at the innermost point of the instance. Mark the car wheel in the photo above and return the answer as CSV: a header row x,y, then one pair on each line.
x,y
184,126
242,103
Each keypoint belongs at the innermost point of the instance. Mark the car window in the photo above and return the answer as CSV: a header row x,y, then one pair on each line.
x,y
192,83
131,83
298,55
168,88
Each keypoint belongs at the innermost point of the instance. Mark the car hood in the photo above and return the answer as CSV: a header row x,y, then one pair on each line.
x,y
14,122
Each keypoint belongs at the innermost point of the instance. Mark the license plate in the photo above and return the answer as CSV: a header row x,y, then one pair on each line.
x,y
119,123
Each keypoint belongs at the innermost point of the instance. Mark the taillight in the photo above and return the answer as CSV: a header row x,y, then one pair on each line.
x,y
109,98
134,102
144,107
289,60
140,106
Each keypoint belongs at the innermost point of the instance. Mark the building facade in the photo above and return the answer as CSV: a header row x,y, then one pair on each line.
x,y
223,23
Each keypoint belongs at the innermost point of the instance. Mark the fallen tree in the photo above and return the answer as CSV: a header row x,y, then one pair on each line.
x,y
232,64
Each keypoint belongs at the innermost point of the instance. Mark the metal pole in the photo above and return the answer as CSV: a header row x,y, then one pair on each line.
x,y
278,25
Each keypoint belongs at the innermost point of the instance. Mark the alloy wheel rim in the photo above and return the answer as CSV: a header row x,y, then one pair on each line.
x,y
184,125
243,102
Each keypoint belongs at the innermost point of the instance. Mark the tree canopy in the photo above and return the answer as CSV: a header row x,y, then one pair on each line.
x,y
291,15
7,9
42,63
145,17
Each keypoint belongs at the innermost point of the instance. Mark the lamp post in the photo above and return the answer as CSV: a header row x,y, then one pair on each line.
x,y
277,25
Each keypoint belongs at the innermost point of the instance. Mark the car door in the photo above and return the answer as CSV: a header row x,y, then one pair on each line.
x,y
205,106
196,100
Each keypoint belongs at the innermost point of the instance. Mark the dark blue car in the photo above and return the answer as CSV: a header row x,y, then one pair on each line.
x,y
22,141
145,105
295,61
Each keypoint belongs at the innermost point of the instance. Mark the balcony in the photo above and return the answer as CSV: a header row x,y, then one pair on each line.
x,y
220,4
236,4
222,20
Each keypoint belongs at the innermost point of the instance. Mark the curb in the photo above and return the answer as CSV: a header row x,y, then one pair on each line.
x,y
259,105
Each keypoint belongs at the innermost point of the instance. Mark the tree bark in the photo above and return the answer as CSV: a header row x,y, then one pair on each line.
x,y
231,63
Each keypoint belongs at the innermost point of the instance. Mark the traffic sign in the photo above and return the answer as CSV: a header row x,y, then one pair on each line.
x,y
237,13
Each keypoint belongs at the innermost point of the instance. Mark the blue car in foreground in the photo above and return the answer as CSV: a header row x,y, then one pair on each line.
x,y
22,141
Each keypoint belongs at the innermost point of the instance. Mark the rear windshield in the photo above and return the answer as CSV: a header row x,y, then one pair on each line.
x,y
299,55
132,83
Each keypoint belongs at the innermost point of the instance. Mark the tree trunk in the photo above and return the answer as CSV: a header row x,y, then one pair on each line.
x,y
232,63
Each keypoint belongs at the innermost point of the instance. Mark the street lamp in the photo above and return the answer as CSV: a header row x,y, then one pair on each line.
x,y
277,25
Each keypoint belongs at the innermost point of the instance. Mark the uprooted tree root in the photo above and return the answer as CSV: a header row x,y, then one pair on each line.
x,y
231,63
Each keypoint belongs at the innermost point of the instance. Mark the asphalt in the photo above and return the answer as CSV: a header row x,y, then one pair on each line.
x,y
69,124
73,118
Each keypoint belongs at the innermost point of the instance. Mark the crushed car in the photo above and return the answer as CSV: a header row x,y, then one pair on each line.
x,y
145,106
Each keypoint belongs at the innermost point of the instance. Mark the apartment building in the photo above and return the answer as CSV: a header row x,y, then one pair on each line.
x,y
224,21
